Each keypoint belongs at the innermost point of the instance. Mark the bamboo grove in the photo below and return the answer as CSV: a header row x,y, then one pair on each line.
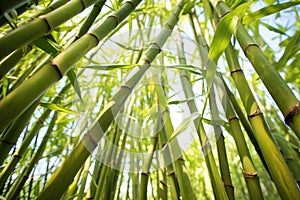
x,y
149,99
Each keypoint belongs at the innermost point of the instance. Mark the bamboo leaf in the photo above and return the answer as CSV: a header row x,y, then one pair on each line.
x,y
272,28
110,66
267,11
47,44
73,79
56,107
184,125
288,51
226,27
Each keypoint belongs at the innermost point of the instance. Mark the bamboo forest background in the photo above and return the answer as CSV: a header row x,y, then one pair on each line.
x,y
149,99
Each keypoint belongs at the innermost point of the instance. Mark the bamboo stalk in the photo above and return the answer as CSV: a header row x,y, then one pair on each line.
x,y
10,137
20,181
216,181
249,171
222,155
275,162
278,88
79,154
10,61
18,154
245,124
42,25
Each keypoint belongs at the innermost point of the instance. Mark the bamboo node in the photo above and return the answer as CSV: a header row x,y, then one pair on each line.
x,y
157,45
249,45
95,36
43,17
55,66
91,139
250,175
206,148
146,60
228,185
171,173
289,117
177,18
255,113
165,110
41,121
126,87
233,118
236,70
145,173
117,19
17,155
132,3
169,25
162,182
189,100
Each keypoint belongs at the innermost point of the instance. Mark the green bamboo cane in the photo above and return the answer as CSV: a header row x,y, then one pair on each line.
x,y
60,65
84,179
95,178
146,166
216,181
275,162
249,171
79,154
185,187
245,124
90,19
10,137
222,155
162,189
10,166
10,61
290,156
71,192
42,25
104,173
278,88
20,181
171,181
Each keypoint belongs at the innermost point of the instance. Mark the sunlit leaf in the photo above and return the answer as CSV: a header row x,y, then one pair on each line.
x,y
184,125
267,11
57,107
73,79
